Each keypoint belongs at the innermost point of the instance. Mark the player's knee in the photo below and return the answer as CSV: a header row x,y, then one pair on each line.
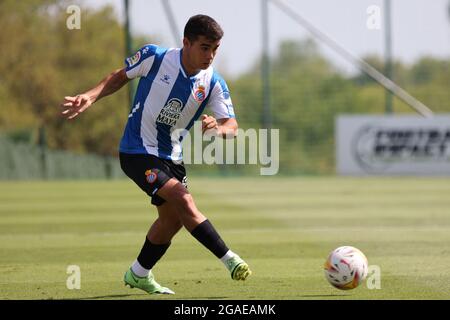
x,y
185,201
178,196
185,204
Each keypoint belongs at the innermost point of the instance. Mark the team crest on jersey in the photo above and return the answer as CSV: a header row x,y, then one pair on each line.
x,y
151,176
200,93
134,59
170,113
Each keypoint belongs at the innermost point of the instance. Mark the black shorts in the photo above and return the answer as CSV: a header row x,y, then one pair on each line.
x,y
150,173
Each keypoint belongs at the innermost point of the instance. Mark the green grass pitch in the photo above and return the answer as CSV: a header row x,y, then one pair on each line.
x,y
283,227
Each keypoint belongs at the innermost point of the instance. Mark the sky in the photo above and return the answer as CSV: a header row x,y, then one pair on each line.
x,y
419,27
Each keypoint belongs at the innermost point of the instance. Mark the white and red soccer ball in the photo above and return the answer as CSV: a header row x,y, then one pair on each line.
x,y
346,267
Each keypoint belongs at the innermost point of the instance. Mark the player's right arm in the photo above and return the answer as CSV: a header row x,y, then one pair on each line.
x,y
74,105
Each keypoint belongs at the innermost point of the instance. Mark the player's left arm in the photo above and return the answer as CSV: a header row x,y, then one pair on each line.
x,y
225,127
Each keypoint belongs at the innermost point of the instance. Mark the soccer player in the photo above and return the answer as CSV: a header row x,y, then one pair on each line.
x,y
175,87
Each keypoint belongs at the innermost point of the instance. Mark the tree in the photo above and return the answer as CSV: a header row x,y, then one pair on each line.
x,y
44,61
308,93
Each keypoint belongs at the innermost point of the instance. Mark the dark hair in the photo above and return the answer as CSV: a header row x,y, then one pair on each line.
x,y
202,25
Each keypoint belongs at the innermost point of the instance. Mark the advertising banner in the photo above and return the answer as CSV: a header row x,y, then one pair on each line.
x,y
392,145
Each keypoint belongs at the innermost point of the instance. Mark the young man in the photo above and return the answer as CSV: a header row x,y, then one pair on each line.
x,y
175,87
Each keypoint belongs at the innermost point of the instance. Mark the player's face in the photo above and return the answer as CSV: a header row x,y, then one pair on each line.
x,y
200,53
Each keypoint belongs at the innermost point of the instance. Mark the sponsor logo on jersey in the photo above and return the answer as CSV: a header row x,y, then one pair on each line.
x,y
134,59
165,79
170,113
200,93
151,176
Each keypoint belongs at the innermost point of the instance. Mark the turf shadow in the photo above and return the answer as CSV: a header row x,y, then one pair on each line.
x,y
109,296
323,295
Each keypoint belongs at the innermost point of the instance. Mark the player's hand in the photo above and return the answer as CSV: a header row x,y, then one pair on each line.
x,y
73,106
209,123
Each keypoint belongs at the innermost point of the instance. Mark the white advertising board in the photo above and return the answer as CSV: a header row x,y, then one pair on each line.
x,y
392,145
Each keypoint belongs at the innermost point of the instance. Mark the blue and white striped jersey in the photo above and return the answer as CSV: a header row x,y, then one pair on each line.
x,y
167,99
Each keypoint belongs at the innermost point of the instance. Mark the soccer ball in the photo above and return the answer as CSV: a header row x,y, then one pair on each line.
x,y
346,267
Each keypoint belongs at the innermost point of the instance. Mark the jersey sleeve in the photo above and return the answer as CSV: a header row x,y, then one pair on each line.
x,y
139,64
220,101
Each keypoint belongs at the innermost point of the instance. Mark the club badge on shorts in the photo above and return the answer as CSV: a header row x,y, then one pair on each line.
x,y
151,176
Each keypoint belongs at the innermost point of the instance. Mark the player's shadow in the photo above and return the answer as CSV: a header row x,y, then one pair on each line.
x,y
109,296
205,298
323,295
133,295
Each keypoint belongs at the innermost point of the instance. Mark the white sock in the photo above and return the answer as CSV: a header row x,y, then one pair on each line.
x,y
139,270
228,255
